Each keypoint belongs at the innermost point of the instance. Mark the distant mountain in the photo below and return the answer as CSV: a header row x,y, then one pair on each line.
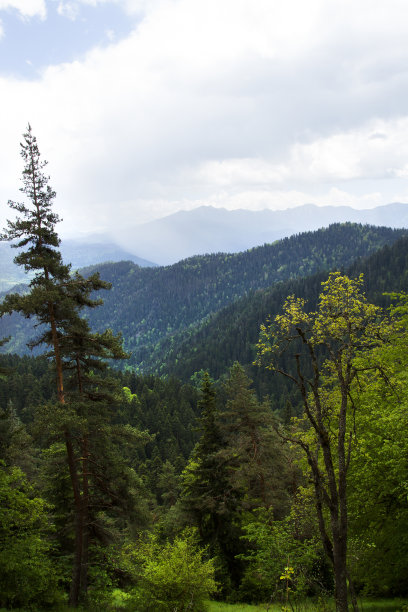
x,y
78,253
156,308
86,253
212,230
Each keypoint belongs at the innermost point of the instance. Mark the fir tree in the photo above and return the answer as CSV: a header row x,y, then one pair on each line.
x,y
256,456
208,494
55,300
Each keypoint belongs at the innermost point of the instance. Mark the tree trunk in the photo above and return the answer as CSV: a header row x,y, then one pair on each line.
x,y
85,516
76,570
75,588
340,569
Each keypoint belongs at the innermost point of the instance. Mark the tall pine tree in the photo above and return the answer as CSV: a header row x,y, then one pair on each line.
x,y
55,300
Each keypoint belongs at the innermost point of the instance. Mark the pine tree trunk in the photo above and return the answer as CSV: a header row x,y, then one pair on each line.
x,y
75,587
57,355
76,570
85,515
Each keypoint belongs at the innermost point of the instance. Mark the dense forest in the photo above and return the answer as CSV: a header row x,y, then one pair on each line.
x,y
156,308
257,455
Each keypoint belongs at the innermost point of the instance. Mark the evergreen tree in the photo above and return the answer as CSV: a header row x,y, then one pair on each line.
x,y
28,577
257,458
207,494
56,299
34,231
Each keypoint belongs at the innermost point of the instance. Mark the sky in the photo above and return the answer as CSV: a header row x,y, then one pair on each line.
x,y
147,107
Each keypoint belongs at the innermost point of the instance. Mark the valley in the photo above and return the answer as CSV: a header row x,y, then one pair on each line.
x,y
189,401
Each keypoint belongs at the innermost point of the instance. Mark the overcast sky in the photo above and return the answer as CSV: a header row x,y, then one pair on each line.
x,y
146,107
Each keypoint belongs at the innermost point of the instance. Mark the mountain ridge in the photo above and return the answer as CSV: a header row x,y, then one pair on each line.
x,y
152,305
232,333
207,229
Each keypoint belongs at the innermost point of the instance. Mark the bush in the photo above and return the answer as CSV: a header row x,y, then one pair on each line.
x,y
274,549
173,577
27,574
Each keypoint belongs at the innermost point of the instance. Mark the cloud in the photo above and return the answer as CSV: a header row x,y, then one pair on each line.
x,y
377,149
230,172
26,8
70,10
232,103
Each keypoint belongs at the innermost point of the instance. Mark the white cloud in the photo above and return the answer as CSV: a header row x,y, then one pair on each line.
x,y
70,10
233,103
377,149
26,8
237,172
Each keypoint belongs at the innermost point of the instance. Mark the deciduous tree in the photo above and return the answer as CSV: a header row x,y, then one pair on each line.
x,y
327,348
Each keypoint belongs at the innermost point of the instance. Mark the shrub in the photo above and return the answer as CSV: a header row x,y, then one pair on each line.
x,y
27,574
173,577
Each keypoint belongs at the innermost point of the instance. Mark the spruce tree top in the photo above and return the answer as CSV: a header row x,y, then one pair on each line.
x,y
35,225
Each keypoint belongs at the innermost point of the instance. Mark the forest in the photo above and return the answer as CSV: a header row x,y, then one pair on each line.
x,y
251,450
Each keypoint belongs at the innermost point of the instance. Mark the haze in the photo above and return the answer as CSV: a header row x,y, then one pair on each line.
x,y
144,108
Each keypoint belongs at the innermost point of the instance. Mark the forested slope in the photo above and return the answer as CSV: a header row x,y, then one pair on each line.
x,y
149,305
173,483
231,334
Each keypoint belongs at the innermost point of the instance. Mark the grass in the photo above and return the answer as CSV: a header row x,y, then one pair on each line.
x,y
366,605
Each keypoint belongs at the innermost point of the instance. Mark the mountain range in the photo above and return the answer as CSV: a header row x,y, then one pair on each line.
x,y
201,231
158,309
212,230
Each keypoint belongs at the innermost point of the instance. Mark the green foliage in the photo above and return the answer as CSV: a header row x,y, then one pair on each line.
x,y
379,474
209,498
28,577
344,328
257,459
171,576
282,546
239,464
232,332
235,487
160,308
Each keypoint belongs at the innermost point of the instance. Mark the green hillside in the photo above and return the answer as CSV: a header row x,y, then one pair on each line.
x,y
210,459
150,306
232,333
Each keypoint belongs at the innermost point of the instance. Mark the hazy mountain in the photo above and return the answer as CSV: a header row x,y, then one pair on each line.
x,y
85,253
212,230
78,253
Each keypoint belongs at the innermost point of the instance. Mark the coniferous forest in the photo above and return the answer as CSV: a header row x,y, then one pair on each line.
x,y
232,428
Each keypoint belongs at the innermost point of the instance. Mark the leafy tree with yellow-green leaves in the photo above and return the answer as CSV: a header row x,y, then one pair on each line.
x,y
378,482
327,350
